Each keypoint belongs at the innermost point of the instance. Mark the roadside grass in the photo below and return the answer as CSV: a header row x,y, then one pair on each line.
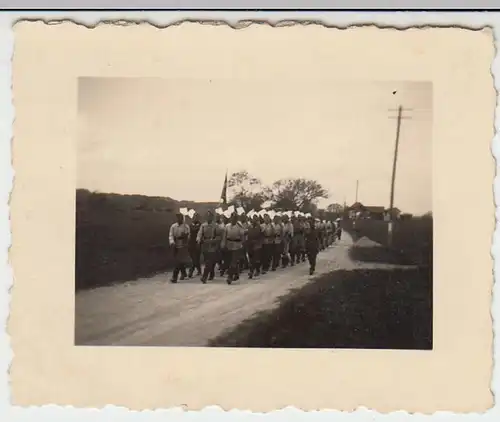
x,y
363,308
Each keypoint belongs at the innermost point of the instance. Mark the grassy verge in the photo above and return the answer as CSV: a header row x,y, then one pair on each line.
x,y
123,237
369,308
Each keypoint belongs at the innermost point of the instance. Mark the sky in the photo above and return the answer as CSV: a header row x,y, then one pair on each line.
x,y
177,137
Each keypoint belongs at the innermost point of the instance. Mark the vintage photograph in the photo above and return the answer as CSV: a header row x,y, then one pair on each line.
x,y
254,205
305,222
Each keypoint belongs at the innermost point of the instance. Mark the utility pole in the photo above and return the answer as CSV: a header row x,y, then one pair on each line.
x,y
357,189
394,167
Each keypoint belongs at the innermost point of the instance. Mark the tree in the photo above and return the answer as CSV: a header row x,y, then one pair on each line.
x,y
335,208
245,190
296,194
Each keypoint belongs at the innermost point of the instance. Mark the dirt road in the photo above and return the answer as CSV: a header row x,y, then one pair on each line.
x,y
154,312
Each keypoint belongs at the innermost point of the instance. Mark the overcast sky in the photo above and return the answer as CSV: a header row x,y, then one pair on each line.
x,y
164,137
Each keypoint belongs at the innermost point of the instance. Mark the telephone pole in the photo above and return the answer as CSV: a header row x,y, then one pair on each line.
x,y
357,189
394,168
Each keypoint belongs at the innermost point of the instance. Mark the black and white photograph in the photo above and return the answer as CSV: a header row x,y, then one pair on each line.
x,y
282,214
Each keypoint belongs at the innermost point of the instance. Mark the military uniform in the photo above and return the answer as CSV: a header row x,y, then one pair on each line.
x,y
232,241
278,245
194,248
312,245
325,234
222,255
298,245
267,246
209,238
287,240
178,239
329,232
244,257
338,230
255,239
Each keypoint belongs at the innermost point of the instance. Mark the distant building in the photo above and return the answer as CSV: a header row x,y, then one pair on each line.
x,y
360,211
395,214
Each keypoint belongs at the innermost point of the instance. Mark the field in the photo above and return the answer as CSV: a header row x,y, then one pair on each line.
x,y
363,308
412,239
123,237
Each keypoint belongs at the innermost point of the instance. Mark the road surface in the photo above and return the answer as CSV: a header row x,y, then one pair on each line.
x,y
154,312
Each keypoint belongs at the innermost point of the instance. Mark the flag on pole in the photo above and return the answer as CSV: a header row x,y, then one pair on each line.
x,y
223,195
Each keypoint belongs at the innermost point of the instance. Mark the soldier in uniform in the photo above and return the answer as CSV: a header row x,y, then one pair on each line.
x,y
338,229
178,240
209,238
232,241
255,238
224,255
312,244
302,247
325,234
328,229
268,244
194,247
244,257
278,243
319,228
294,244
287,240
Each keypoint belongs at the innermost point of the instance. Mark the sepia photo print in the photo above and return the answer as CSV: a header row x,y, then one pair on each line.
x,y
302,222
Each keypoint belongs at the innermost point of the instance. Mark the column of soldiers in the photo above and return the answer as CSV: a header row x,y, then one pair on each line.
x,y
258,244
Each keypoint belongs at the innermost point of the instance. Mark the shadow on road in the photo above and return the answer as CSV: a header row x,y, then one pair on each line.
x,y
372,309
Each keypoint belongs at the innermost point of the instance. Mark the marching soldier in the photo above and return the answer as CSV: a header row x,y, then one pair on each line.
x,y
287,240
294,245
224,255
302,247
268,244
325,234
329,231
278,243
209,238
338,229
244,257
232,241
255,238
178,240
320,233
312,244
194,247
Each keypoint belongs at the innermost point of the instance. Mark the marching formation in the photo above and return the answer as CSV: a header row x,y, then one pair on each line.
x,y
231,242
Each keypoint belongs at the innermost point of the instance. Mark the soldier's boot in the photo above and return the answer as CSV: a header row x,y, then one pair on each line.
x,y
205,275
175,275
